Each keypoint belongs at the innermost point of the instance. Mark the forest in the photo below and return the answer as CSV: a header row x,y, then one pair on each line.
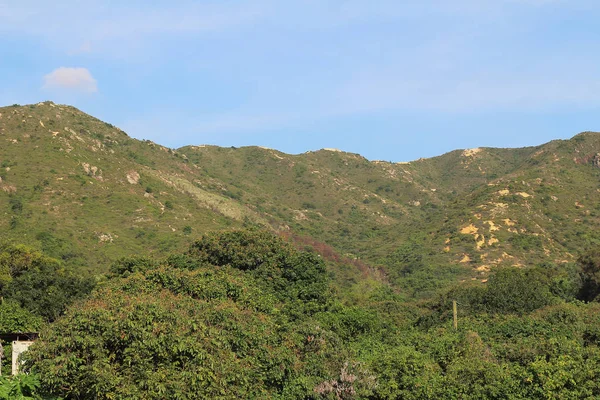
x,y
246,314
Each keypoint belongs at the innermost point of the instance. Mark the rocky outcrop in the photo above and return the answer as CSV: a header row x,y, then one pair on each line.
x,y
596,160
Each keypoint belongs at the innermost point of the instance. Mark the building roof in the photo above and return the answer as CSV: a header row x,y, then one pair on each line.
x,y
12,336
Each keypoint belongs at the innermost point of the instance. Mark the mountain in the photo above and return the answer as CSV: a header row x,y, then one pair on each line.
x,y
82,190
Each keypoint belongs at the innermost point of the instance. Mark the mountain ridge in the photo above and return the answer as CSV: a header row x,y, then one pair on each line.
x,y
88,193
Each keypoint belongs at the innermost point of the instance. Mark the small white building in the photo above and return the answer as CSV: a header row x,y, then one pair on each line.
x,y
18,348
20,344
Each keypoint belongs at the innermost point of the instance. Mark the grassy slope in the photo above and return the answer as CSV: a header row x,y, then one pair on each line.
x,y
478,208
65,188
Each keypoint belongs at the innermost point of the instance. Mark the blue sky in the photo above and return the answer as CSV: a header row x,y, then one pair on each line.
x,y
391,80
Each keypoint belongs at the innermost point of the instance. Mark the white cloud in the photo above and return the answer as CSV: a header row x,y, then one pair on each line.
x,y
76,79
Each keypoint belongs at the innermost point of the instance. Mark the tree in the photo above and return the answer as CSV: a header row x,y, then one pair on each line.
x,y
39,283
180,334
589,263
14,318
515,290
297,277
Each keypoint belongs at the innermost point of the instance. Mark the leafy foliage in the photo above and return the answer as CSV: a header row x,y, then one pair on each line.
x,y
298,278
513,290
187,328
21,387
128,265
14,318
590,274
164,332
39,283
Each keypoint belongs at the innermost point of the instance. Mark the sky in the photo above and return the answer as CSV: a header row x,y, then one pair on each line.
x,y
392,80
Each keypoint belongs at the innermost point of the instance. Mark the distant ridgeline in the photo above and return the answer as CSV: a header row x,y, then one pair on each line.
x,y
86,193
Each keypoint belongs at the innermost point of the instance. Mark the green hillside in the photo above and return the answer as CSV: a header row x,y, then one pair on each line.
x,y
83,191
478,208
208,272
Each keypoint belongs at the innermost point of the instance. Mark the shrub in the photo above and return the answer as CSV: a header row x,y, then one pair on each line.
x,y
170,333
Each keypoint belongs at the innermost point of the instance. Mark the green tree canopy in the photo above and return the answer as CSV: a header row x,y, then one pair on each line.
x,y
38,283
179,334
589,263
297,277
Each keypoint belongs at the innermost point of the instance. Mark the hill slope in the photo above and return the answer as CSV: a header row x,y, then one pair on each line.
x,y
84,191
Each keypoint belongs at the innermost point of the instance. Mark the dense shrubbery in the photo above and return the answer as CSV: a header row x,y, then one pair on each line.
x,y
170,334
590,275
216,322
34,290
14,318
38,283
243,314
298,279
21,387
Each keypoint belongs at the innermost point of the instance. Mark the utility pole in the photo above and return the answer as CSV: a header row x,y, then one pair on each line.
x,y
455,314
